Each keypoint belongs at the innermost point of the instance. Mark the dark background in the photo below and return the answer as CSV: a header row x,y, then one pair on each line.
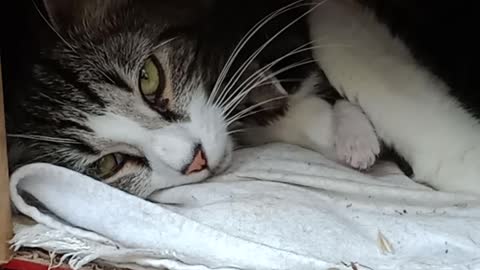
x,y
441,34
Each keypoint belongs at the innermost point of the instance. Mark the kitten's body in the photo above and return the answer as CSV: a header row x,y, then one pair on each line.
x,y
338,129
410,108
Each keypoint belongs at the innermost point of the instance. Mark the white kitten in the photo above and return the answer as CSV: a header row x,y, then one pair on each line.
x,y
341,131
408,106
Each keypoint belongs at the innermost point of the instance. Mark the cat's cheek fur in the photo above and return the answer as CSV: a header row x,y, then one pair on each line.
x,y
409,108
169,149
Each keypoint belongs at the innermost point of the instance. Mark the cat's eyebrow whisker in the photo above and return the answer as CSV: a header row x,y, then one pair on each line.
x,y
247,63
70,46
244,41
43,138
165,42
52,27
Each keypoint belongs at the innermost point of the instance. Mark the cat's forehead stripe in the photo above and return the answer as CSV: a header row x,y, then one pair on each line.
x,y
118,81
71,78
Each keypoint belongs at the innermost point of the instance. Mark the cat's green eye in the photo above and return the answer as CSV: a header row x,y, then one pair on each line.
x,y
152,77
108,165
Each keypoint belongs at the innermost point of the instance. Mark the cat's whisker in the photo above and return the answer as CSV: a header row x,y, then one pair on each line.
x,y
240,130
238,99
43,138
244,67
250,114
247,114
259,72
245,40
52,27
241,44
244,89
70,46
297,50
241,114
240,71
280,81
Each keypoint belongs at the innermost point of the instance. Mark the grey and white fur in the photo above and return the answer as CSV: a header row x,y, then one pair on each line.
x,y
82,101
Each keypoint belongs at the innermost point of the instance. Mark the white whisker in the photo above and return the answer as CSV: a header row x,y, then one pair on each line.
x,y
246,87
244,41
243,68
240,130
52,27
280,81
237,100
259,72
241,114
70,46
43,138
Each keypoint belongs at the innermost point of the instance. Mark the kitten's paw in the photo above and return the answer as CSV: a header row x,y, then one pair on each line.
x,y
358,150
356,142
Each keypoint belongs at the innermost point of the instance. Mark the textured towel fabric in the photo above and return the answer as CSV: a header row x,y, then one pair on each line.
x,y
278,207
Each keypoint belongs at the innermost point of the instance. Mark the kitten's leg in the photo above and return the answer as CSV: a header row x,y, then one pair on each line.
x,y
341,132
307,123
409,107
355,140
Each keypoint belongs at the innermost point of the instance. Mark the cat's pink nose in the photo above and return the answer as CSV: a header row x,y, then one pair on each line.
x,y
199,162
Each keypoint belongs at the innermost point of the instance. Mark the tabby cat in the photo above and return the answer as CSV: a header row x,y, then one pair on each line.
x,y
146,95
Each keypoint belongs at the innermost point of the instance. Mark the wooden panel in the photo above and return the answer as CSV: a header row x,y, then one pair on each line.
x,y
5,211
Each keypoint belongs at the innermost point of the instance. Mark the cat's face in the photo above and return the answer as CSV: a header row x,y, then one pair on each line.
x,y
124,96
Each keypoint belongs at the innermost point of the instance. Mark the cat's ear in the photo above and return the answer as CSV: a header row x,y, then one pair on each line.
x,y
63,14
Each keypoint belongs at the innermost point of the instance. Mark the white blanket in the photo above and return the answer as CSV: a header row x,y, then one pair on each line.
x,y
278,207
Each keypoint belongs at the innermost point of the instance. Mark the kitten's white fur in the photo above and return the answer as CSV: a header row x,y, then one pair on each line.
x,y
409,107
340,132
355,140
